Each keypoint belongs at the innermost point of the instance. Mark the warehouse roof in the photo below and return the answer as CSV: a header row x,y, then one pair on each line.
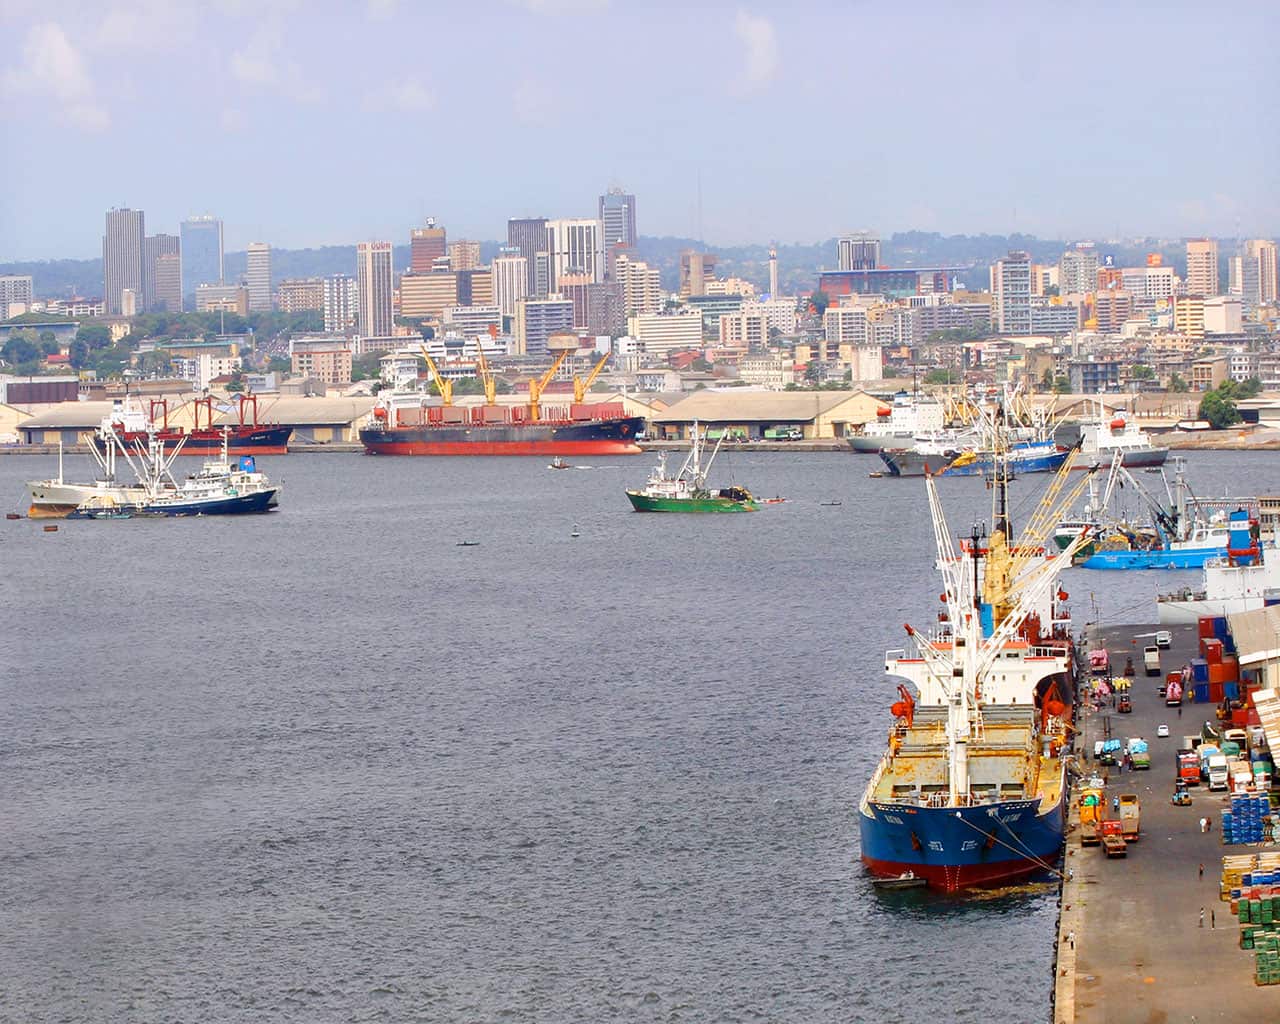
x,y
744,406
1257,634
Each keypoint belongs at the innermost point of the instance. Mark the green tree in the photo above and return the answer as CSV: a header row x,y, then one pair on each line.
x,y
942,377
1218,408
1141,371
48,344
279,364
1061,385
20,348
366,367
1250,388
1176,383
94,335
820,300
79,354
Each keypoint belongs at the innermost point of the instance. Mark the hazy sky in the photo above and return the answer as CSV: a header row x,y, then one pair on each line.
x,y
306,123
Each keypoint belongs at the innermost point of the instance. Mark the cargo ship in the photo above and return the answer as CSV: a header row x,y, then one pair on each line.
x,y
246,436
972,788
410,423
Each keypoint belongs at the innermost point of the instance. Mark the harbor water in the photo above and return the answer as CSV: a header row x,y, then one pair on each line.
x,y
330,765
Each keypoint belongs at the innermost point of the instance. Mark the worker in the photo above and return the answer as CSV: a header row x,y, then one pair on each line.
x,y
1115,804
1202,917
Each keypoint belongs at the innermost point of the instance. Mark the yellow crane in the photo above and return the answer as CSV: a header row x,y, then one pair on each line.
x,y
486,378
445,387
536,387
581,387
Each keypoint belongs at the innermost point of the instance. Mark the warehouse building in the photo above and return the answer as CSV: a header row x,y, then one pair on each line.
x,y
818,415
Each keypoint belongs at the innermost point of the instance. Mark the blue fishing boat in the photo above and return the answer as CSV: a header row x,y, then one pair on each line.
x,y
1023,457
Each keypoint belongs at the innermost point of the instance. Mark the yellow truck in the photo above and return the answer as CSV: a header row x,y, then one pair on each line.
x,y
1130,815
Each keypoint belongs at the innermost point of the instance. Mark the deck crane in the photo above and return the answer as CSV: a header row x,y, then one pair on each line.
x,y
445,387
536,387
581,387
486,377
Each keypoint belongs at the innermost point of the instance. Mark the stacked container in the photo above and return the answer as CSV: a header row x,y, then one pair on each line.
x,y
1247,820
1252,884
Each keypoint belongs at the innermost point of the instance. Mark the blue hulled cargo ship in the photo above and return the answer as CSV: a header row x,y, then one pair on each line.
x,y
971,789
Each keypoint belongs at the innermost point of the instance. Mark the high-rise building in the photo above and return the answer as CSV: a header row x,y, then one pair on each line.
x,y
201,253
341,304
1078,271
464,254
537,320
225,298
374,286
1202,267
299,294
153,247
1188,315
15,288
1011,293
663,333
122,257
859,251
618,217
1258,273
510,279
529,236
258,277
696,269
426,245
641,285
575,248
428,295
166,282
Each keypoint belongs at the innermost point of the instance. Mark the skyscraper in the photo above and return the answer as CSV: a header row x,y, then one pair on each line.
x,y
426,245
340,304
122,257
464,255
1258,273
1202,267
1011,293
153,247
529,236
1078,271
510,280
15,288
166,282
201,254
258,277
618,215
373,289
575,248
859,251
537,320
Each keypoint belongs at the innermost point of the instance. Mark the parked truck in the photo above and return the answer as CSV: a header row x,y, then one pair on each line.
x,y
1091,808
1113,838
1130,815
1173,690
1188,767
1219,773
1151,659
784,434
1139,754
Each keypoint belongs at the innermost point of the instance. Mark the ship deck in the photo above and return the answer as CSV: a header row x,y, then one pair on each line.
x,y
1004,763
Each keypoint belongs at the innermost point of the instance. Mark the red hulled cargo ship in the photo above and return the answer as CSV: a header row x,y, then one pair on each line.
x,y
245,437
582,429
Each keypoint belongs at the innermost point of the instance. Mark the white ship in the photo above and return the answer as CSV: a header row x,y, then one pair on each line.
x,y
897,425
1240,582
1105,435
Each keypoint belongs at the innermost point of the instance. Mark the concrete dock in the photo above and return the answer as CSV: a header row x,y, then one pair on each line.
x,y
1130,944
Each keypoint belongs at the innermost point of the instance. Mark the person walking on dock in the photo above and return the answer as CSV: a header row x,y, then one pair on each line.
x,y
1213,918
1202,917
1202,871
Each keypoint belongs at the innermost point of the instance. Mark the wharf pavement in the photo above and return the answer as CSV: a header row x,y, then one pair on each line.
x,y
1130,944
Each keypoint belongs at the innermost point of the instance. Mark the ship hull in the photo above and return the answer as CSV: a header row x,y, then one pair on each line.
x,y
1134,458
240,441
1179,612
238,505
1187,558
912,463
874,444
52,499
988,844
595,437
646,503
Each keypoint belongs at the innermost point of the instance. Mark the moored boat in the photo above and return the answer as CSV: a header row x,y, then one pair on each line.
x,y
898,424
1246,579
245,437
686,490
1024,457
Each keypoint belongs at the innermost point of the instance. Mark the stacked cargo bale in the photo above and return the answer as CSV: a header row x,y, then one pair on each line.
x,y
1247,821
1252,884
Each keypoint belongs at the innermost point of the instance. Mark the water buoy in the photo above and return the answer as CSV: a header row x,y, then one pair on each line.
x,y
51,528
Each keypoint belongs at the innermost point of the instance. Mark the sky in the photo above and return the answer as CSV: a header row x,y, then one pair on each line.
x,y
312,123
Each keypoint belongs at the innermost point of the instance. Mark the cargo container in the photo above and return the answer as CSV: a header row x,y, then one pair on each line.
x,y
1173,689
1188,767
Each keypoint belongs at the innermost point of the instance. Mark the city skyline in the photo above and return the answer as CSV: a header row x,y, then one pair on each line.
x,y
1056,163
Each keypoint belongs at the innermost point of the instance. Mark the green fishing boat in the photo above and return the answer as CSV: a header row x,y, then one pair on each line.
x,y
687,490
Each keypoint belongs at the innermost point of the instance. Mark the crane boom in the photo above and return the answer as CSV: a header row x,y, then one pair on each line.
x,y
580,387
486,378
445,387
536,387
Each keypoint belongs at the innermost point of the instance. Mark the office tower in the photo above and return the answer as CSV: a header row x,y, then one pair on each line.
x,y
1011,293
618,217
641,285
696,269
166,277
1078,271
16,289
153,247
1202,266
373,289
537,320
201,253
1188,316
475,287
258,277
773,273
299,294
426,245
574,247
529,236
510,279
464,255
341,303
859,251
1235,275
1258,273
122,257
541,275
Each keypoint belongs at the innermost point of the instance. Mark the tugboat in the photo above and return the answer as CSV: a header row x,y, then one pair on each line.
x,y
687,490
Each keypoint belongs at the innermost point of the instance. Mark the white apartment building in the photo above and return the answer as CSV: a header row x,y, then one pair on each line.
x,y
780,313
510,282
767,371
1202,267
641,285
258,277
574,247
744,330
469,321
663,333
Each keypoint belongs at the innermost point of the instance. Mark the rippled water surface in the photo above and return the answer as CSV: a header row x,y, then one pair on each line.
x,y
327,765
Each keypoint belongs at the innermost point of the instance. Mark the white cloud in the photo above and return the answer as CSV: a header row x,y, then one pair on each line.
x,y
147,25
232,120
407,96
261,64
52,67
760,50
